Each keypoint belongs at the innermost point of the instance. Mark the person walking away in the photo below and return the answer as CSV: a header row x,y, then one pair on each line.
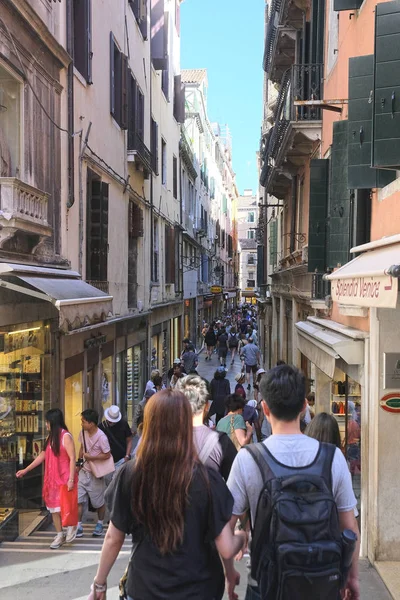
x,y
264,424
222,344
119,436
293,455
203,335
325,428
210,340
59,469
189,360
94,447
150,385
137,425
178,373
233,424
219,388
251,356
233,344
215,449
175,508
240,378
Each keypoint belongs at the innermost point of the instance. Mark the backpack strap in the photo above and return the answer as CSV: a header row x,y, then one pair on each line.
x,y
260,458
209,445
325,460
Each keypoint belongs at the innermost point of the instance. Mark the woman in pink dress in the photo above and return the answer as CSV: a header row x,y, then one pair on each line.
x,y
59,457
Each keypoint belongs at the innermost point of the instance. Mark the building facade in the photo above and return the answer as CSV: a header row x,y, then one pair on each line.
x,y
247,225
329,171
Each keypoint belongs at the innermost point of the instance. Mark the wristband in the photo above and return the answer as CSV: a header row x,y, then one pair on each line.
x,y
98,587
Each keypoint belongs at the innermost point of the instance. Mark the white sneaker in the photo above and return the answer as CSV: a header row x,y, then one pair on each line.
x,y
58,541
71,534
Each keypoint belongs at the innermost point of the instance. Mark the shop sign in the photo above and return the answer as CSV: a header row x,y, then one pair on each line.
x,y
366,291
249,289
391,403
95,342
216,289
391,365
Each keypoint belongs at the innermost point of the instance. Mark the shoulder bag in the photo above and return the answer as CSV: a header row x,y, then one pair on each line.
x,y
232,433
100,468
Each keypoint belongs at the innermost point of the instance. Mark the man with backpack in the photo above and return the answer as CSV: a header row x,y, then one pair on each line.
x,y
305,538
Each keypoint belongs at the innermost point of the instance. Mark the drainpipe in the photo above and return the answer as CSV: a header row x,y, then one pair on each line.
x,y
293,215
70,105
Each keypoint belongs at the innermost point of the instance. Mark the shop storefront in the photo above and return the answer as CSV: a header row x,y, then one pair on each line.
x,y
189,319
368,285
37,303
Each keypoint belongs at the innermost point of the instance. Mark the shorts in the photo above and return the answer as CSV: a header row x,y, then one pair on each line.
x,y
89,485
222,352
251,368
54,510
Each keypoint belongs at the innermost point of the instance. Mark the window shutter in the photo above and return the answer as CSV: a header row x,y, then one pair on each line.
x,y
339,199
179,99
167,254
89,53
158,35
386,125
175,177
224,204
125,95
104,232
140,113
346,4
112,75
273,241
135,220
319,178
173,254
361,83
132,113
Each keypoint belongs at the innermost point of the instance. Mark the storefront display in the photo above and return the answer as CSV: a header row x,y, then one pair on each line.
x,y
23,403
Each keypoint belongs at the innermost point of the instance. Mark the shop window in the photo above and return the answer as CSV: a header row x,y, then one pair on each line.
x,y
10,124
107,382
96,228
74,405
83,38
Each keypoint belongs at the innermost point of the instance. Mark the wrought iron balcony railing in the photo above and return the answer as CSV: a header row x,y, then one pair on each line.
x,y
137,145
320,287
187,155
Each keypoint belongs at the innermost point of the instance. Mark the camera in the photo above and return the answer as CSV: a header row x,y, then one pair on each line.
x,y
79,463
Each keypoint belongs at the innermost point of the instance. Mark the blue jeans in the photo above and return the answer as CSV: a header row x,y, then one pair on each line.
x,y
252,593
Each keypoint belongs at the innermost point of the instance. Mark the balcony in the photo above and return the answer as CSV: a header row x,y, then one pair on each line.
x,y
187,155
139,153
320,287
100,285
23,209
289,143
285,18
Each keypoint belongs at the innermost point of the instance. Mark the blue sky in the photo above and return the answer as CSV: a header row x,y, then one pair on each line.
x,y
227,38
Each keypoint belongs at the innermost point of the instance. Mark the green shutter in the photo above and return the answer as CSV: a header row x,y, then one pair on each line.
x,y
273,244
339,199
386,123
224,205
346,4
361,83
260,266
319,177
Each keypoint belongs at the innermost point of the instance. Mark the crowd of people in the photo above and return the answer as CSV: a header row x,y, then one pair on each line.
x,y
186,481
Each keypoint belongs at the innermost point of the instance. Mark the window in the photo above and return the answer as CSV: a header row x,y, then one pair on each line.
x,y
251,283
251,217
250,259
135,114
191,199
155,273
163,162
139,9
135,220
175,176
224,205
251,234
10,124
154,146
169,254
83,38
165,82
250,274
96,228
118,84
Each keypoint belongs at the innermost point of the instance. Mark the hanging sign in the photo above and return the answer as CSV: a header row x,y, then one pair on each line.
x,y
366,291
216,289
391,403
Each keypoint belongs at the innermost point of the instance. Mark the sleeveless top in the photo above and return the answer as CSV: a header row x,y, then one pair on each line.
x,y
56,473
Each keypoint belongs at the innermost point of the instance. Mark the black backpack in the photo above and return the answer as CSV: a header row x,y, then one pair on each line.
x,y
296,551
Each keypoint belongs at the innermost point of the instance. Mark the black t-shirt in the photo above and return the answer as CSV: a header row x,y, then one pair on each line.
x,y
223,341
194,570
117,434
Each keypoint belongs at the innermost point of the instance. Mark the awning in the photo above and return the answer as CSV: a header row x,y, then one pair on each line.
x,y
365,281
79,304
324,347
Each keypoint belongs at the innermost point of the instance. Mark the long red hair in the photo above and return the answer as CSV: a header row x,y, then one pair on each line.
x,y
164,467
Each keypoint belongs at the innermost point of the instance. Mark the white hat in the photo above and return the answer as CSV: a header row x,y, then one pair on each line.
x,y
259,372
239,376
177,361
113,414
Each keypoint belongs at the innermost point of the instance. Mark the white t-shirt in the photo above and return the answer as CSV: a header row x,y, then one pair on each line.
x,y
297,450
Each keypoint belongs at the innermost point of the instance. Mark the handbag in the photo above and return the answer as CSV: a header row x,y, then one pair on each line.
x,y
232,434
99,468
69,506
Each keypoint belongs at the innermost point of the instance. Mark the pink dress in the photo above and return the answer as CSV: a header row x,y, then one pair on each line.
x,y
56,473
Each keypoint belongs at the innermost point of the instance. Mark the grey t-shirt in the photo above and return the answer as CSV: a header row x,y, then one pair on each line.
x,y
295,450
200,434
250,353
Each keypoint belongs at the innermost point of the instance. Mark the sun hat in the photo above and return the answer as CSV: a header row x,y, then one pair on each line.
x,y
239,376
113,414
177,361
259,372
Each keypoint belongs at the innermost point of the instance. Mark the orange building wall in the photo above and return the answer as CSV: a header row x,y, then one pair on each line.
x,y
385,219
356,322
